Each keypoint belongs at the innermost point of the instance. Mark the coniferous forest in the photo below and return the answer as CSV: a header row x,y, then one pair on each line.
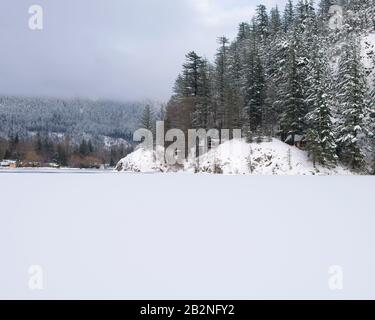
x,y
294,73
67,132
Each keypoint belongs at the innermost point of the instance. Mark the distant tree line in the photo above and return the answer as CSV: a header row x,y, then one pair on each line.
x,y
23,116
69,132
43,151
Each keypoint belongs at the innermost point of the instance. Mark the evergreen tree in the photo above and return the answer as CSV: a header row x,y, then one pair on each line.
x,y
192,74
235,73
61,157
193,95
321,143
255,94
222,84
276,79
243,31
276,24
147,120
84,148
90,147
351,88
162,113
288,20
38,143
262,22
7,154
293,119
305,38
202,114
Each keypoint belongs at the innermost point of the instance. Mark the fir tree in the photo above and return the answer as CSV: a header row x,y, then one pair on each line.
x,y
276,24
222,83
192,74
288,20
243,31
262,22
147,120
351,88
235,72
84,148
293,119
202,114
321,143
254,95
61,156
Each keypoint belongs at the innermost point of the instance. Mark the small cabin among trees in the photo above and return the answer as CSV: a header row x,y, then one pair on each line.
x,y
297,140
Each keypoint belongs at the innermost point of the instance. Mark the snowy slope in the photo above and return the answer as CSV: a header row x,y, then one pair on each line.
x,y
140,160
266,158
237,157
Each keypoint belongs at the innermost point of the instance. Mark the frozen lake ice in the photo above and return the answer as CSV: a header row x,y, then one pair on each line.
x,y
172,236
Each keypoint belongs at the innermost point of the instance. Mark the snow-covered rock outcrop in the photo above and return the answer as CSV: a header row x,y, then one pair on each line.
x,y
140,160
236,157
266,158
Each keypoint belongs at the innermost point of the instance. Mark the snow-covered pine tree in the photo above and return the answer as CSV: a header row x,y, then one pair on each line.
x,y
243,32
193,89
262,22
191,73
320,137
275,24
255,95
294,108
288,19
274,62
254,89
202,114
147,120
351,92
235,71
222,84
305,35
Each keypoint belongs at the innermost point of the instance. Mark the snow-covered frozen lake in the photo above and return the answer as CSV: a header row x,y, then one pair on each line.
x,y
185,236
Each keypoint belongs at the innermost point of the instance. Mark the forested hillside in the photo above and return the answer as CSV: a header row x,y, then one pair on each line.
x,y
292,73
76,117
67,132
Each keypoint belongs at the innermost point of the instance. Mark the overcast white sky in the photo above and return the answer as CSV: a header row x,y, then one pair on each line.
x,y
117,49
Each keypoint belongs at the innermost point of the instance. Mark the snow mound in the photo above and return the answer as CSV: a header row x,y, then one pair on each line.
x,y
265,158
141,160
236,157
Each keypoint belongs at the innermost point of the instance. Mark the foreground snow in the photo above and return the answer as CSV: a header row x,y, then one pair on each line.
x,y
182,236
237,157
